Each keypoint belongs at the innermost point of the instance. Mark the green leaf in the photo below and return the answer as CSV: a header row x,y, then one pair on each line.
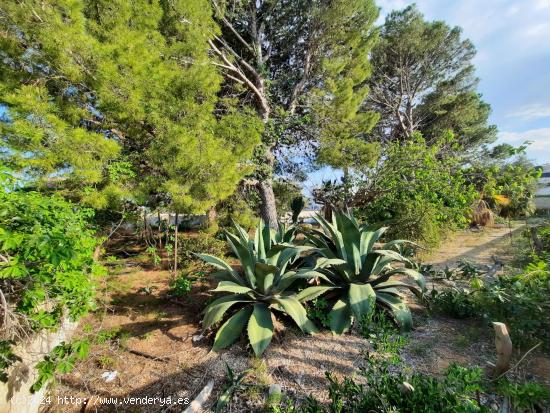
x,y
362,299
260,329
311,293
215,261
297,312
340,317
215,311
224,398
351,239
399,310
304,273
419,278
369,238
259,244
265,275
231,287
245,256
231,329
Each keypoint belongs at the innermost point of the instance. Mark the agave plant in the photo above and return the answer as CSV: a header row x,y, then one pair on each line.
x,y
358,275
261,286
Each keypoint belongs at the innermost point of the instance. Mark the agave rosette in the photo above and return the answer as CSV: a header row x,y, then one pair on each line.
x,y
358,275
263,284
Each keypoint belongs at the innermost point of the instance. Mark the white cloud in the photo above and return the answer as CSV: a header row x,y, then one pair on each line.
x,y
542,4
530,112
539,150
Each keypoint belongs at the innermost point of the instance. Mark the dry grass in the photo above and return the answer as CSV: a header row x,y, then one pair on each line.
x,y
482,215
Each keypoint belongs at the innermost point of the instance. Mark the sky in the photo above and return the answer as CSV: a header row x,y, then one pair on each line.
x,y
512,38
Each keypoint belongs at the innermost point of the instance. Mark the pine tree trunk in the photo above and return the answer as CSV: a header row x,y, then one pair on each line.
x,y
211,216
268,209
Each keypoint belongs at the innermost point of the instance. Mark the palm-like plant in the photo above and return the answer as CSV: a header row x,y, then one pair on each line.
x,y
360,275
259,287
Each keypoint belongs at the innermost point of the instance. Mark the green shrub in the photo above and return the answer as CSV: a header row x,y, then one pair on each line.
x,y
383,336
514,182
357,274
7,358
60,360
415,190
524,396
455,302
522,302
46,268
180,286
47,251
317,311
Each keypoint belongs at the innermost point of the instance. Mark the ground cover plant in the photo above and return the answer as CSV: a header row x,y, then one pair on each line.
x,y
358,275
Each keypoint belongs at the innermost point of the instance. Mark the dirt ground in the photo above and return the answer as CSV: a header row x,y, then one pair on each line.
x,y
154,343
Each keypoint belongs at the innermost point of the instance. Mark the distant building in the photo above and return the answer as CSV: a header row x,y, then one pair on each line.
x,y
542,197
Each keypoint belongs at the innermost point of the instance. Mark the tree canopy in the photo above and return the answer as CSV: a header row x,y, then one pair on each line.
x,y
287,57
118,99
423,80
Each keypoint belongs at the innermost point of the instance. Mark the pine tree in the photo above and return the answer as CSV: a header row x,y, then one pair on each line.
x,y
133,80
343,123
423,80
277,54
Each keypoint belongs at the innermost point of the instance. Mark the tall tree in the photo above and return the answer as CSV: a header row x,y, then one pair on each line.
x,y
342,123
275,53
126,90
423,80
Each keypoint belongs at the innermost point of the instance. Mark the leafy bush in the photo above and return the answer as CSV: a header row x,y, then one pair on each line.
x,y
357,274
418,189
456,302
60,360
389,389
524,396
261,286
508,187
521,301
240,208
7,358
180,286
317,311
382,335
47,250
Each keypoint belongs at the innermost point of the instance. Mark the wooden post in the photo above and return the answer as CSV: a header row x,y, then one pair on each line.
x,y
503,345
176,247
144,224
159,229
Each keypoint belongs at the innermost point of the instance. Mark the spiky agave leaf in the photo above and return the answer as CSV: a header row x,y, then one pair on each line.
x,y
360,274
263,286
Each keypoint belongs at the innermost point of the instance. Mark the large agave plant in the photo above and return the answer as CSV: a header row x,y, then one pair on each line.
x,y
261,286
359,275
